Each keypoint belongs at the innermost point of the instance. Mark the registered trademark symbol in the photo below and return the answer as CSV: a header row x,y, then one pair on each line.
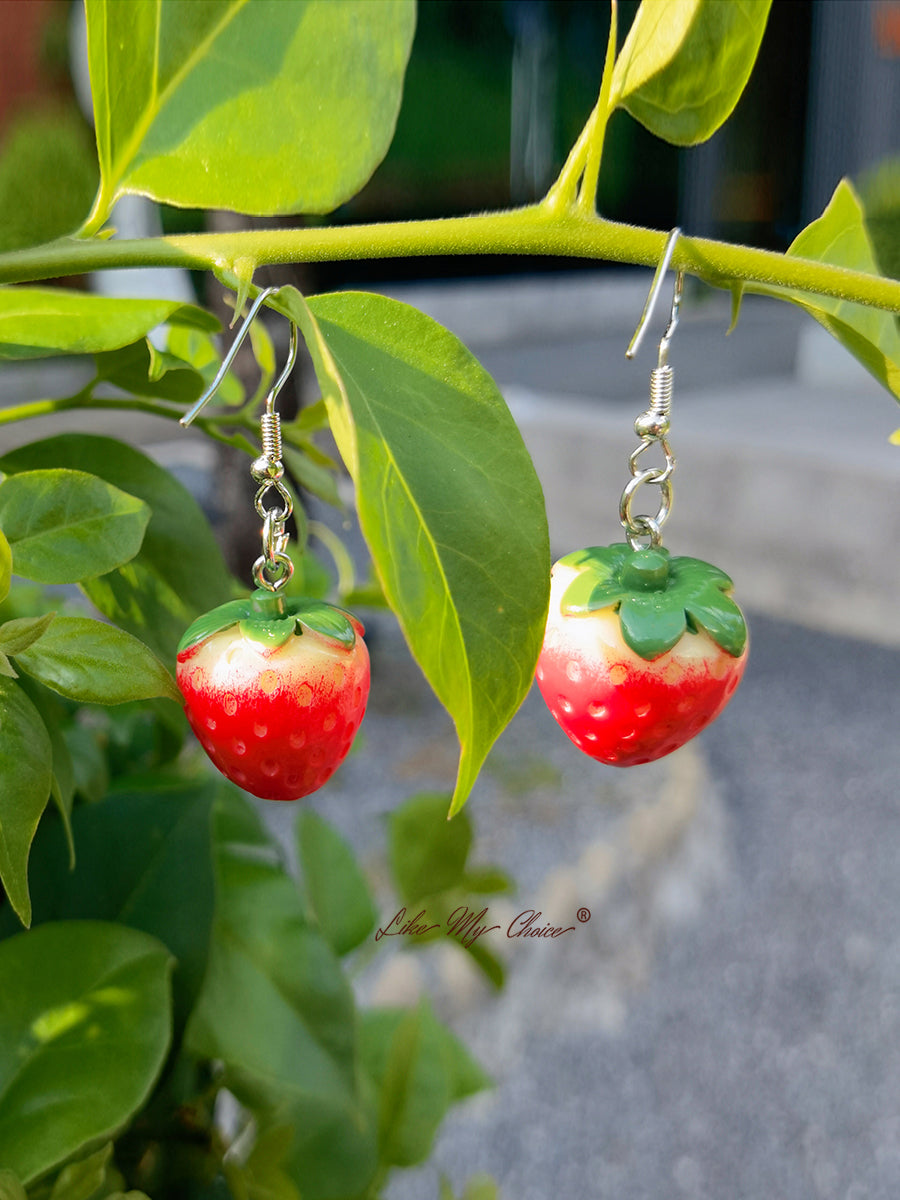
x,y
583,914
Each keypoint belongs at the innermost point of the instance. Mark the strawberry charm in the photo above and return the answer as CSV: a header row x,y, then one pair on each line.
x,y
275,690
641,651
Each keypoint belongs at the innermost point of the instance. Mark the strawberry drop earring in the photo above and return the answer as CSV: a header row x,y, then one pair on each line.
x,y
275,688
642,650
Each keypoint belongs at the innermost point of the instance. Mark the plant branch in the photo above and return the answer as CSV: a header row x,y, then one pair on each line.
x,y
587,195
536,229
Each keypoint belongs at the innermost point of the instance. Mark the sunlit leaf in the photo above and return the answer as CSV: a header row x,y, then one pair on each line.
x,y
840,237
179,571
65,526
448,501
96,663
85,1022
36,322
278,106
685,64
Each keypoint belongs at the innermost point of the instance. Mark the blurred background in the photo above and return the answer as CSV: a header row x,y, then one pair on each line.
x,y
727,1026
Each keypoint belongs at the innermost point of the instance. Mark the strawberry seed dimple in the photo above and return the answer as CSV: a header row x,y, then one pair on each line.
x,y
239,748
643,710
329,723
573,670
210,723
260,731
539,673
270,767
230,705
268,682
304,694
597,711
298,740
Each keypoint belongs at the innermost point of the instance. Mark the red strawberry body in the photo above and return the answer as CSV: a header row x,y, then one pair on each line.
x,y
275,704
620,706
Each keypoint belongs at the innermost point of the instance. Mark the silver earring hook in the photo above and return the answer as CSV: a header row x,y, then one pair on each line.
x,y
230,357
655,289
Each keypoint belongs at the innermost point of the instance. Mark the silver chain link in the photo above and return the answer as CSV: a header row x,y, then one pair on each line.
x,y
274,567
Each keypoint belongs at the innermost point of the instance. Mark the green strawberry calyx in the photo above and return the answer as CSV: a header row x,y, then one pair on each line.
x,y
272,620
658,598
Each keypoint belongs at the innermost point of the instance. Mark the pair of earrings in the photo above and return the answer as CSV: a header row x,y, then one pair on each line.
x,y
641,650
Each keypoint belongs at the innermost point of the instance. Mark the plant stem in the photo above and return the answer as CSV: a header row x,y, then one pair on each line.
x,y
532,230
587,195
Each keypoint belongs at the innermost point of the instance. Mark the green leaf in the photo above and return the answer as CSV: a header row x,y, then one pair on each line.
x,y
481,1187
37,322
132,851
320,480
81,1180
427,852
25,758
179,571
185,95
685,64
335,885
96,663
487,881
448,501
10,1187
5,566
420,1070
65,526
62,784
278,1013
85,1011
7,670
840,237
20,633
262,1176
145,371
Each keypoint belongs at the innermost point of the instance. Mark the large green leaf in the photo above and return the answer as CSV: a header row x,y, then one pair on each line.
x,y
37,322
275,106
448,501
335,886
26,773
133,851
685,63
840,237
420,1070
5,565
96,663
85,1022
10,1187
427,853
279,1014
179,571
65,526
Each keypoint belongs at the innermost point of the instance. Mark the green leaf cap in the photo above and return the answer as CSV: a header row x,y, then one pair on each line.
x,y
272,620
658,598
